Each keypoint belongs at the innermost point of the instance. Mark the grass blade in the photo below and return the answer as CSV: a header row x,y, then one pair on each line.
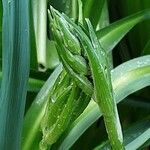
x,y
111,35
15,72
139,36
139,133
134,137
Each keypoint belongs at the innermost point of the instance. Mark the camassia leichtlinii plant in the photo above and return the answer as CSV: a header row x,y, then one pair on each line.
x,y
70,93
87,75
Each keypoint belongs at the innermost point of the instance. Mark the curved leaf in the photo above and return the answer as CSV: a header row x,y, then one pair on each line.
x,y
104,95
135,75
137,135
134,136
111,35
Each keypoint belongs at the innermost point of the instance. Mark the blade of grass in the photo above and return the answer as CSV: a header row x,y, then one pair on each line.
x,y
15,72
135,76
140,134
111,35
74,10
141,33
134,136
146,144
104,22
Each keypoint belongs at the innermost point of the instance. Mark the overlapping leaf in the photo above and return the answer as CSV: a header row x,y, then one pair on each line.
x,y
36,112
135,74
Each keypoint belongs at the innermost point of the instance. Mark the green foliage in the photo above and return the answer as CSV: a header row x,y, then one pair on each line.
x,y
121,84
15,72
116,31
37,110
57,76
141,33
134,137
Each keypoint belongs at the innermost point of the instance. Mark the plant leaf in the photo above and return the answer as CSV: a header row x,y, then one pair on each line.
x,y
135,76
103,88
15,72
31,126
138,37
111,35
134,136
137,135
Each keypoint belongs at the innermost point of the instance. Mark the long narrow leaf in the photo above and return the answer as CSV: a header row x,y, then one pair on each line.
x,y
139,133
111,35
103,90
134,136
138,37
15,72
